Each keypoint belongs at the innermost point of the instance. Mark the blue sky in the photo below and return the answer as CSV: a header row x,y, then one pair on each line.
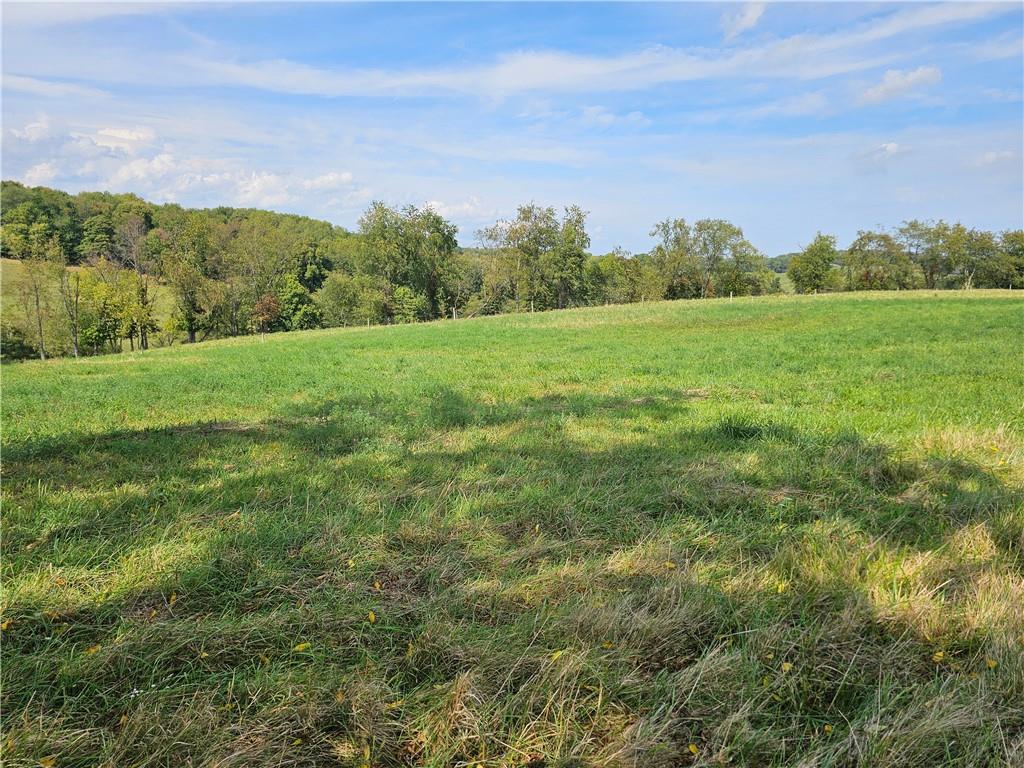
x,y
786,118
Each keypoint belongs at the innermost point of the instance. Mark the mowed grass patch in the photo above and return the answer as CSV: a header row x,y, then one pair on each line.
x,y
780,531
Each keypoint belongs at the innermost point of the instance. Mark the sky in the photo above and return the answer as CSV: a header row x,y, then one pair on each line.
x,y
785,118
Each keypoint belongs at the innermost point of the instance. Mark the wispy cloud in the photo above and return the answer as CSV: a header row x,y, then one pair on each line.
x,y
601,116
803,56
1002,47
733,24
812,103
52,14
896,83
997,157
877,157
50,88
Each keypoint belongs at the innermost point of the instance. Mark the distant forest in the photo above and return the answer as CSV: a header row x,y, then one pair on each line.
x,y
103,272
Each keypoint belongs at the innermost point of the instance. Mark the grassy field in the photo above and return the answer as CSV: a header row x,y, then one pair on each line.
x,y
767,532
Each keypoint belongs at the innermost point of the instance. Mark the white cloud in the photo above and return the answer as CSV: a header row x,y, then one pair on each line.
x,y
145,169
121,135
34,131
878,158
127,140
332,180
897,82
471,209
994,157
167,176
40,174
262,189
802,105
733,24
50,88
597,115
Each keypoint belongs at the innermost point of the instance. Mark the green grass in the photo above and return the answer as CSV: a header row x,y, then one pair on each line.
x,y
766,532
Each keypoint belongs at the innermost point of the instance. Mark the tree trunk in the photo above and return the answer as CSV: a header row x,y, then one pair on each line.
x,y
71,307
144,304
39,325
74,326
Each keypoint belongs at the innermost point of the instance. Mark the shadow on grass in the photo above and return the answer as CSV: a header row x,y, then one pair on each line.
x,y
473,531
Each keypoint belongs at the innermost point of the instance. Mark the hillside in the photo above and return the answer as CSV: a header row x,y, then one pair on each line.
x,y
773,531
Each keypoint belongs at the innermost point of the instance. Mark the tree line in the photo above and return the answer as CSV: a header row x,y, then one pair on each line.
x,y
916,255
103,272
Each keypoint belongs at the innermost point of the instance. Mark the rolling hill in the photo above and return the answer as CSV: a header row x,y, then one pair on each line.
x,y
776,532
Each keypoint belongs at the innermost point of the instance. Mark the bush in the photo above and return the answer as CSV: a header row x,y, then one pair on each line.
x,y
14,345
407,306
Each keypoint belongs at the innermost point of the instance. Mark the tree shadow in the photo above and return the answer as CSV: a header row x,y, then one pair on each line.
x,y
457,522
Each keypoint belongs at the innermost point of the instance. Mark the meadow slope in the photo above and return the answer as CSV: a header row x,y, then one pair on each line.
x,y
770,532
